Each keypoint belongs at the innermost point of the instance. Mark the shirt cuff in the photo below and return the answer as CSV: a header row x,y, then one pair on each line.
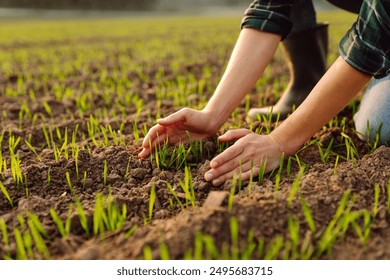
x,y
365,46
267,21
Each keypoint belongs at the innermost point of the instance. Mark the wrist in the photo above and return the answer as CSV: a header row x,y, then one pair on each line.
x,y
214,118
287,145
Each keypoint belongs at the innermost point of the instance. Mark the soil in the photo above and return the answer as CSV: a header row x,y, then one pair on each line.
x,y
261,210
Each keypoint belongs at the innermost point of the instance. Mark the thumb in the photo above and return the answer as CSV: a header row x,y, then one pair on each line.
x,y
233,134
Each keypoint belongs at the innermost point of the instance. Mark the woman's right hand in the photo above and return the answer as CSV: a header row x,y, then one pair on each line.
x,y
182,126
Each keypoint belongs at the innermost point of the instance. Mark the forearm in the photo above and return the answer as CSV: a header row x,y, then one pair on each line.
x,y
332,93
253,52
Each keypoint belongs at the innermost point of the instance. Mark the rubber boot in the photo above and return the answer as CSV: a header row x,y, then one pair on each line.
x,y
306,53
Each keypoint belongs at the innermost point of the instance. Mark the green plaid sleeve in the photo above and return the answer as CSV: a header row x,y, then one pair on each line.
x,y
270,16
366,46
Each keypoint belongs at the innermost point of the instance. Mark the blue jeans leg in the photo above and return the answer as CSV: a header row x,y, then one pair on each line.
x,y
373,116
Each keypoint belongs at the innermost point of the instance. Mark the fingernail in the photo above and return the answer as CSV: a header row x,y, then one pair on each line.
x,y
208,176
213,164
216,182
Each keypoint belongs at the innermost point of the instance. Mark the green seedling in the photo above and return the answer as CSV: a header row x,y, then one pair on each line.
x,y
262,169
20,249
84,179
106,141
105,171
338,225
293,228
73,144
28,244
250,183
336,164
180,155
250,247
15,160
188,187
277,183
196,148
6,194
68,180
376,200
164,252
64,230
352,153
126,177
364,233
47,109
107,217
325,155
308,215
152,200
4,234
37,224
76,161
131,231
172,191
274,248
46,135
49,177
136,133
295,187
221,146
83,218
198,246
234,238
115,216
33,150
210,247
148,254
36,234
232,193
374,145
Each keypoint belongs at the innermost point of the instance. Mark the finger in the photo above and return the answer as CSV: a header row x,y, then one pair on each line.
x,y
179,116
234,134
144,153
228,154
223,168
152,135
242,172
242,176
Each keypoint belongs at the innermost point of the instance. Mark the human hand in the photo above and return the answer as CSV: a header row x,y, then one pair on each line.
x,y
186,124
245,156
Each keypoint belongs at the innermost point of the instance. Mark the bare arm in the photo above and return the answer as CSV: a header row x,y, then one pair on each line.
x,y
332,93
329,96
253,51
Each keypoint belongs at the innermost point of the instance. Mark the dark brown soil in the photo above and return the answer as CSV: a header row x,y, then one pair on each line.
x,y
261,210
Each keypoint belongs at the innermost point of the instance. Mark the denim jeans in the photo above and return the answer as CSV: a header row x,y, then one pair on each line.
x,y
373,117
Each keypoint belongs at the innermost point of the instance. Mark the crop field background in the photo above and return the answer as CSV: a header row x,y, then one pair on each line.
x,y
78,96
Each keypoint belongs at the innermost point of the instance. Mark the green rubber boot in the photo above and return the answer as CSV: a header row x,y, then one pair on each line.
x,y
306,54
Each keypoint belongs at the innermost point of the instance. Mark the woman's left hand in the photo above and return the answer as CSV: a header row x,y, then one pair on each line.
x,y
245,157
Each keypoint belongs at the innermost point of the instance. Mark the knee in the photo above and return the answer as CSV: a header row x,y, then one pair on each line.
x,y
372,129
372,121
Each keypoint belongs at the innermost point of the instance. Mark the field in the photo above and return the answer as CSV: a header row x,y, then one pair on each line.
x,y
78,96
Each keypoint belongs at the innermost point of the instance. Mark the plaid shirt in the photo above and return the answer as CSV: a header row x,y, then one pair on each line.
x,y
366,46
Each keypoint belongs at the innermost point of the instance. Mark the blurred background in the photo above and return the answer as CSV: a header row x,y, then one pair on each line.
x,y
98,8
